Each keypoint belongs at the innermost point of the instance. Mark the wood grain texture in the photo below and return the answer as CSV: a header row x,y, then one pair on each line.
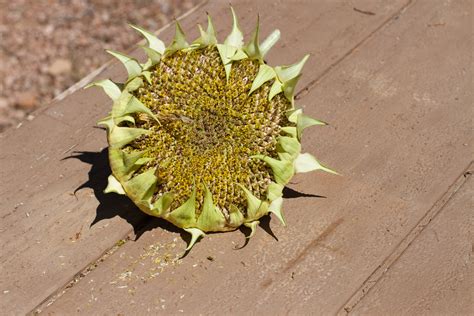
x,y
50,230
435,274
400,136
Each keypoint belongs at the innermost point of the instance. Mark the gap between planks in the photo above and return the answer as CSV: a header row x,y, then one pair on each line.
x,y
385,23
403,245
107,253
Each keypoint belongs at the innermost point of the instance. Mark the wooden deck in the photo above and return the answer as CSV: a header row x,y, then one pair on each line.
x,y
392,236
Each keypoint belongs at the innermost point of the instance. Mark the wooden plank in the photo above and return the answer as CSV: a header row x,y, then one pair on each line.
x,y
435,274
46,232
400,135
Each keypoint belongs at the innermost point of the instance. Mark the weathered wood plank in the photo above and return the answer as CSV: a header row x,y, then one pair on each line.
x,y
45,229
400,135
435,274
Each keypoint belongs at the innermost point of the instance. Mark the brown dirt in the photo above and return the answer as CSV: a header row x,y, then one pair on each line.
x,y
46,46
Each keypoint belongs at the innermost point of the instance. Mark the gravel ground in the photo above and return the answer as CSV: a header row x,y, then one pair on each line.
x,y
48,45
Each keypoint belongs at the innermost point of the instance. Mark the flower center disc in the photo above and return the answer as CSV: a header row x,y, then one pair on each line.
x,y
209,127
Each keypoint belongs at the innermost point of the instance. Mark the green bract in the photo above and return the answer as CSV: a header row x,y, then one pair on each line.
x,y
206,135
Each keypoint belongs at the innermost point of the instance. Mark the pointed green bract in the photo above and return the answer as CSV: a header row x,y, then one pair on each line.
x,y
121,136
286,73
208,37
289,130
253,227
289,88
153,41
131,64
163,204
304,121
275,208
290,145
253,48
179,41
134,84
226,52
185,215
154,57
235,38
265,73
125,164
256,208
306,163
239,55
147,75
107,122
275,191
195,234
282,170
210,218
292,115
113,185
110,88
127,104
236,218
142,185
125,118
276,88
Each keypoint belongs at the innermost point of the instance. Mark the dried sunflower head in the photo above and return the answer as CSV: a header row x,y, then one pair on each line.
x,y
206,135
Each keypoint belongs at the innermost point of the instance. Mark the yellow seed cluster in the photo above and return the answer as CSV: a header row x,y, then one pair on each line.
x,y
208,128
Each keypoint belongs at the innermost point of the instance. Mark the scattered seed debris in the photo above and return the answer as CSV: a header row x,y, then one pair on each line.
x,y
120,242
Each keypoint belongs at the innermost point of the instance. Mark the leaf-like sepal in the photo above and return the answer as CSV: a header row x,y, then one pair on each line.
x,y
134,84
304,121
275,208
147,75
110,88
306,163
142,186
289,130
153,57
289,145
256,208
282,169
286,73
179,42
236,218
113,185
162,205
236,37
211,218
292,115
274,191
226,52
195,234
239,55
208,37
253,227
124,164
265,73
131,64
153,42
289,88
107,122
276,88
127,104
253,48
185,215
121,136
